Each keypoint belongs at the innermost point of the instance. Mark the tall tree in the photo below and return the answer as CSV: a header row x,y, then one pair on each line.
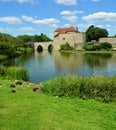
x,y
94,33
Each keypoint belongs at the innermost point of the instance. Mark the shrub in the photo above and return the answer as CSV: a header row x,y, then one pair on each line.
x,y
89,46
105,45
66,46
96,87
16,73
98,46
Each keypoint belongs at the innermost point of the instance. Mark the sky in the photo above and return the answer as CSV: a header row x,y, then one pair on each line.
x,y
33,17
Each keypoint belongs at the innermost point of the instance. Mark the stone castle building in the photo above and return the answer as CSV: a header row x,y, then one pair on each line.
x,y
61,36
70,35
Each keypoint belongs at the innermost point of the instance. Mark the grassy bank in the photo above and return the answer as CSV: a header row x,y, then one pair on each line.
x,y
25,109
23,50
101,88
14,72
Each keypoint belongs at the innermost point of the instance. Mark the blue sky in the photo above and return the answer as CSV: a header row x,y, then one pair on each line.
x,y
19,17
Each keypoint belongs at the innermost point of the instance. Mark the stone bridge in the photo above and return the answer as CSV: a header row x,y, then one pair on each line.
x,y
42,45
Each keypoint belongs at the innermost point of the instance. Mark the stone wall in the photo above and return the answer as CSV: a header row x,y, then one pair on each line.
x,y
111,40
74,39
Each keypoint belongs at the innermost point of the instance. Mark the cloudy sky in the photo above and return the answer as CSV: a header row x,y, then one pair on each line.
x,y
18,17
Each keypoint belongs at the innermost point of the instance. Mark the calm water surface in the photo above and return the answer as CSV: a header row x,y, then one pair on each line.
x,y
45,65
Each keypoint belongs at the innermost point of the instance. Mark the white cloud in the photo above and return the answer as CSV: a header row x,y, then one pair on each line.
x,y
100,17
9,30
84,26
70,15
100,26
26,18
71,12
25,1
10,20
1,29
70,18
108,26
96,0
54,25
66,2
51,22
67,25
26,29
21,1
46,21
68,12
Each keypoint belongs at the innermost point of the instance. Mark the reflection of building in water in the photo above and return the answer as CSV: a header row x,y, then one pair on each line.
x,y
83,63
42,54
68,60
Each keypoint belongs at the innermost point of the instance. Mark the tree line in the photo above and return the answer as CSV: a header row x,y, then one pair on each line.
x,y
10,45
7,40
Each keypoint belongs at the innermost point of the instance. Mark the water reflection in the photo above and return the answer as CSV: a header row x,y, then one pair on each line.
x,y
97,59
86,64
68,60
46,65
16,61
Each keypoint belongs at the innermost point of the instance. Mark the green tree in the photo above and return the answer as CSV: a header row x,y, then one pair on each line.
x,y
6,41
90,33
41,38
94,33
66,46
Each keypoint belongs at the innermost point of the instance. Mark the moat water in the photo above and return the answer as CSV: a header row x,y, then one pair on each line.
x,y
45,65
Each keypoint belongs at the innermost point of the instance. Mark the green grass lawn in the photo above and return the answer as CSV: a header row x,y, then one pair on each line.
x,y
27,110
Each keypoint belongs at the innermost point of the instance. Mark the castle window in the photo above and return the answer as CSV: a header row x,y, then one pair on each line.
x,y
63,38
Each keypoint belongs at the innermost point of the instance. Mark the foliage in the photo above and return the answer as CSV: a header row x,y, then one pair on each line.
x,y
41,38
106,45
66,46
35,38
10,45
11,52
15,73
91,46
97,46
94,33
26,110
97,87
2,57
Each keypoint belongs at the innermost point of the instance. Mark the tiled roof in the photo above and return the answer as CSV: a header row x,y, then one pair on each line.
x,y
65,30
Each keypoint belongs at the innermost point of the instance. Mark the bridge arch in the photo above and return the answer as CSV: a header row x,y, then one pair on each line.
x,y
50,48
39,48
45,45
